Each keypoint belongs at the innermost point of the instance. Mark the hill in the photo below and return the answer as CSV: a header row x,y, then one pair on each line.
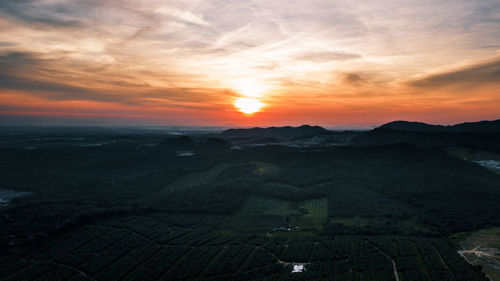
x,y
382,136
483,134
481,126
276,132
151,207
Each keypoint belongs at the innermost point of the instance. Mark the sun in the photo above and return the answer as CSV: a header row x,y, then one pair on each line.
x,y
248,105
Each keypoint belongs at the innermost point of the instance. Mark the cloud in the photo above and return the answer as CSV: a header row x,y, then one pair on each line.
x,y
353,79
31,74
13,61
182,15
314,17
9,82
34,12
326,56
479,74
6,44
187,54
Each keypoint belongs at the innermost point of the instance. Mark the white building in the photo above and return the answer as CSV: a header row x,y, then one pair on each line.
x,y
298,268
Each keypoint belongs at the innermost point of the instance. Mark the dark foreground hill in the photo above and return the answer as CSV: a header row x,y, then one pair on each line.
x,y
380,136
481,126
276,132
484,134
191,208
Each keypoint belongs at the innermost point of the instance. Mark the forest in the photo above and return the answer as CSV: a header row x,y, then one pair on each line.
x,y
126,205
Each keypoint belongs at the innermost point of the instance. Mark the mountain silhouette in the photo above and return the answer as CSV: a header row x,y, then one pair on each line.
x,y
276,132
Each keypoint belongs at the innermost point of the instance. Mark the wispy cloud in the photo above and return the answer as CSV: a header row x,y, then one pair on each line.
x,y
312,56
484,73
40,13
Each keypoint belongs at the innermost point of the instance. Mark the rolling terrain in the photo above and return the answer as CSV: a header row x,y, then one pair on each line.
x,y
134,208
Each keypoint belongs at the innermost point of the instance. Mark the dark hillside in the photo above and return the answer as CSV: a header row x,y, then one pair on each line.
x,y
481,126
280,132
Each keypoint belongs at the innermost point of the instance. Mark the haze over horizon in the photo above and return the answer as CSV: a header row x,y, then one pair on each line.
x,y
248,63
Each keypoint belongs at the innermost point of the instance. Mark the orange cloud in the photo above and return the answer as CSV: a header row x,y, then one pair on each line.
x,y
314,62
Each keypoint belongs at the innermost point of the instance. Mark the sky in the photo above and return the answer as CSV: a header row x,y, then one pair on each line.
x,y
330,63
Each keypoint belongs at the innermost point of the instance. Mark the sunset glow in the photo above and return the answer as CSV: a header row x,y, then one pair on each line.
x,y
248,106
331,63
